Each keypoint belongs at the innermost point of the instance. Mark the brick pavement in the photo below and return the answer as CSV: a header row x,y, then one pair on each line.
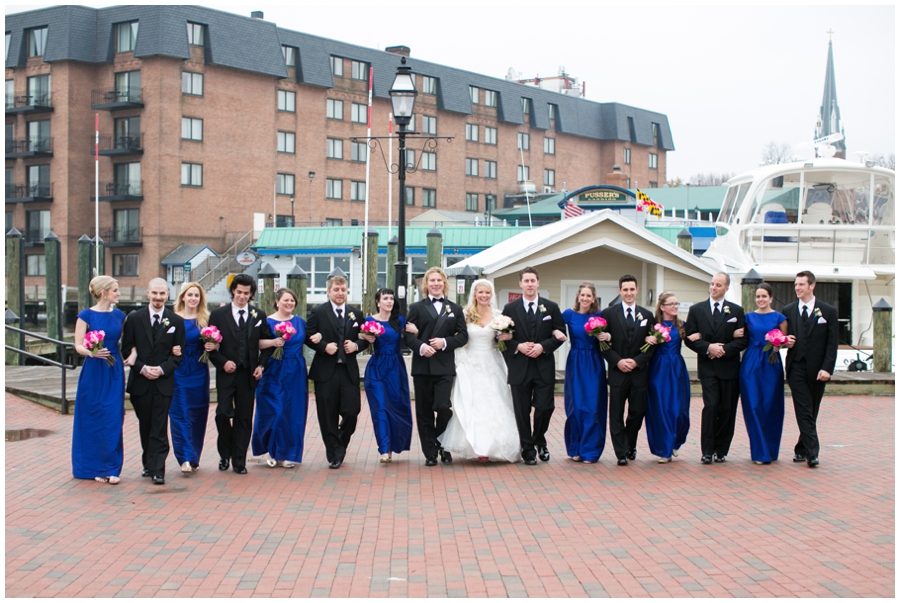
x,y
560,529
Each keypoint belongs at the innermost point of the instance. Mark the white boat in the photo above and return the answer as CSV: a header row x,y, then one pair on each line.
x,y
830,216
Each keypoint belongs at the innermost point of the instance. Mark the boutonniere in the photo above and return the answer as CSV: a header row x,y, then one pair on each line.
x,y
542,308
817,313
727,310
253,313
447,309
165,322
640,316
351,316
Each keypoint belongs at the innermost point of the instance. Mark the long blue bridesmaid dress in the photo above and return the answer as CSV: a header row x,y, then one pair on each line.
x,y
584,393
282,400
189,411
97,449
387,391
668,418
762,389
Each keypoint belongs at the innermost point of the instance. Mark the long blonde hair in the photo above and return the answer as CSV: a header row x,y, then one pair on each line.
x,y
663,297
202,309
471,309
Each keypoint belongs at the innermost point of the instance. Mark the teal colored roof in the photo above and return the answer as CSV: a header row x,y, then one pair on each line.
x,y
707,198
346,237
545,207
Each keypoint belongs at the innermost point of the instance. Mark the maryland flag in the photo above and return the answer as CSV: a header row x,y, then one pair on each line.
x,y
648,205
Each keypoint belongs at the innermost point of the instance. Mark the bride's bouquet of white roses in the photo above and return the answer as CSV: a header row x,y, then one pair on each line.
x,y
502,324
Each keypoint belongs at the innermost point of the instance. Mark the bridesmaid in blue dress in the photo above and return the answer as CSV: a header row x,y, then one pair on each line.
x,y
282,396
189,411
762,384
386,380
584,392
97,450
668,416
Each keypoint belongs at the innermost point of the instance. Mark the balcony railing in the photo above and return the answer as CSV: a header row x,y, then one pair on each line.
x,y
29,147
35,235
118,236
29,103
119,145
23,193
117,98
120,191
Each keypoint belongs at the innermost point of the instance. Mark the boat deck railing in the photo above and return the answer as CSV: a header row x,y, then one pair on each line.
x,y
837,244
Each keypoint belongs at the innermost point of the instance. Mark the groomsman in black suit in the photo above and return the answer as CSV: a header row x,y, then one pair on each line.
x,y
440,328
529,358
153,331
334,368
628,324
718,366
239,367
812,352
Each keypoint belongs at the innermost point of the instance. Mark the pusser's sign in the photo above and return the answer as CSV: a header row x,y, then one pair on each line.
x,y
603,196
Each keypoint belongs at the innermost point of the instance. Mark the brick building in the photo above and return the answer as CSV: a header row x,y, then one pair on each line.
x,y
209,119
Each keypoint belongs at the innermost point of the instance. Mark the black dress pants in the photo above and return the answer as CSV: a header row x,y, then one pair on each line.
x,y
807,396
433,410
234,417
720,397
622,432
337,408
532,393
152,411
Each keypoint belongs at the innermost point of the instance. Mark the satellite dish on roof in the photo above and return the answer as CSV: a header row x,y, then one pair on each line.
x,y
512,75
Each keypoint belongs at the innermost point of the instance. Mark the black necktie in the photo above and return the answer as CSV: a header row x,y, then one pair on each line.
x,y
717,314
530,309
156,322
241,322
340,353
805,315
339,313
630,318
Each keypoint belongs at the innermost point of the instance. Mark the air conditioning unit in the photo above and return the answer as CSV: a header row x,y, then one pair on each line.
x,y
526,186
548,189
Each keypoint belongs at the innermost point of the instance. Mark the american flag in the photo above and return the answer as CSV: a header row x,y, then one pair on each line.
x,y
572,210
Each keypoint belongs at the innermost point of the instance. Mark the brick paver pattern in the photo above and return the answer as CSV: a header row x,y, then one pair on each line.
x,y
560,529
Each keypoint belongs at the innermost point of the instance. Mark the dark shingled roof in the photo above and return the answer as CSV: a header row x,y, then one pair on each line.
x,y
79,33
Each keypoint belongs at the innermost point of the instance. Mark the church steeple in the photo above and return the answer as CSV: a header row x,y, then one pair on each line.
x,y
829,120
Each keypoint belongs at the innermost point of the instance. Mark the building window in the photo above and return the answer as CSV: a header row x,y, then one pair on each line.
x,y
631,131
37,41
286,142
473,94
38,181
126,36
410,199
10,94
337,66
490,169
359,70
36,265
653,161
471,201
429,161
334,109
287,101
191,174
522,173
526,106
128,86
195,34
318,267
127,178
523,141
358,113
654,131
549,177
37,225
429,197
290,55
358,151
8,38
125,264
628,183
472,132
654,184
334,222
429,84
490,135
284,184
39,90
471,167
334,189
410,159
627,157
334,148
38,135
429,124
192,83
191,128
128,132
411,126
490,98
551,111
357,191
490,202
550,146
127,225
9,219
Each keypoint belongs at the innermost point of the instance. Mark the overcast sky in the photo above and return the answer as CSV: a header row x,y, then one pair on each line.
x,y
730,79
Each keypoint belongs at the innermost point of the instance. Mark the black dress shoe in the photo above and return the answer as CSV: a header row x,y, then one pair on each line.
x,y
446,457
719,458
334,464
706,459
622,462
240,470
145,473
813,462
430,461
632,455
223,464
799,458
531,461
543,453
158,480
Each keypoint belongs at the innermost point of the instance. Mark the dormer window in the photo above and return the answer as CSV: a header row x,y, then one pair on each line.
x,y
290,55
126,36
37,42
195,34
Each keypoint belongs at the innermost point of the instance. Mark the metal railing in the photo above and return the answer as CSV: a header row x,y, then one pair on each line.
x,y
29,145
41,99
116,95
836,244
219,267
62,347
117,234
123,144
128,188
22,191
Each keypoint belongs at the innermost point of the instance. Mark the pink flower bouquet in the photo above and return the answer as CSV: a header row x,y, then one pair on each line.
x,y
662,334
502,324
209,334
593,327
775,339
285,330
93,342
373,328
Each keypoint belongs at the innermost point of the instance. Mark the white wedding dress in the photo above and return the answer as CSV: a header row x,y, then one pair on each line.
x,y
483,422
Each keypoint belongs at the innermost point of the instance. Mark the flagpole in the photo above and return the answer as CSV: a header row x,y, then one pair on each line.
x,y
365,245
275,203
97,194
527,200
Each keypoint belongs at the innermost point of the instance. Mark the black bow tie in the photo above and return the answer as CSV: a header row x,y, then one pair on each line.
x,y
437,300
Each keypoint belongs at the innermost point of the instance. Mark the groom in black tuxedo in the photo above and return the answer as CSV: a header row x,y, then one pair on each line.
x,y
812,352
153,331
529,358
440,328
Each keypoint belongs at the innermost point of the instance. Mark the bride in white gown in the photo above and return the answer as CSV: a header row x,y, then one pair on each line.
x,y
483,425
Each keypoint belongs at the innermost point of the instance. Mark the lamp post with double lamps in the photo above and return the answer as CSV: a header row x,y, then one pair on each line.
x,y
403,100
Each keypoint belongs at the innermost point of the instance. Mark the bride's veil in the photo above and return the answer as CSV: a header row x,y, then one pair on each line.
x,y
475,285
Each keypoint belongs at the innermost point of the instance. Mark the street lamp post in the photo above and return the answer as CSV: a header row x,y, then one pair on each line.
x,y
311,176
292,211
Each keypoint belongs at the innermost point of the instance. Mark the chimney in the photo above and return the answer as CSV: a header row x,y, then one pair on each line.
x,y
403,51
257,14
616,178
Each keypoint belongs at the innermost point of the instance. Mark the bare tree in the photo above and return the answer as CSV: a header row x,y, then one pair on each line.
x,y
884,161
710,179
774,153
674,182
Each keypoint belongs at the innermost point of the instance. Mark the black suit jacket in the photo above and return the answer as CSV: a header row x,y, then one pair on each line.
x,y
817,342
138,333
539,330
621,347
450,324
700,320
323,320
257,328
